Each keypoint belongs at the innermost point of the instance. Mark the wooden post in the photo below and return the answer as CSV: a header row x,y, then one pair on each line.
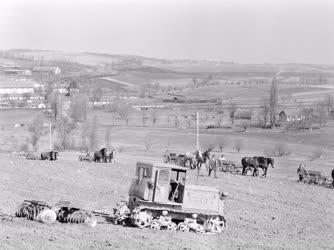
x,y
50,138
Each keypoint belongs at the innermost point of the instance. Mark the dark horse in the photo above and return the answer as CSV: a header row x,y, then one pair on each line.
x,y
201,158
101,155
257,162
51,155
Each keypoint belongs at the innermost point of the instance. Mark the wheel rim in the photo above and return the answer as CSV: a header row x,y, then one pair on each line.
x,y
155,225
171,226
183,227
200,229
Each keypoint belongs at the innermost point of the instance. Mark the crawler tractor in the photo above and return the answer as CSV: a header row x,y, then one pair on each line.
x,y
160,199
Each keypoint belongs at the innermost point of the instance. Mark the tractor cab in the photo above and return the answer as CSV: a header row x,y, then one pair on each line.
x,y
158,183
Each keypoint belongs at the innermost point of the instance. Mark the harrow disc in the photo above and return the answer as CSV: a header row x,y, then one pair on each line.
x,y
155,224
200,229
172,226
215,225
183,227
47,216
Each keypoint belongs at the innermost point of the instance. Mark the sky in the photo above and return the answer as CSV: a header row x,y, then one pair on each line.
x,y
244,31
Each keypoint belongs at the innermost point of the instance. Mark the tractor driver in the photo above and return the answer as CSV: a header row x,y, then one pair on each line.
x,y
173,186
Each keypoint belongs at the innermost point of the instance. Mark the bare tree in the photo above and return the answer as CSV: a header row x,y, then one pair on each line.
x,y
221,142
63,128
85,131
148,141
154,116
144,117
273,102
321,113
93,139
220,120
176,121
123,112
107,137
232,109
329,103
308,114
245,124
36,131
263,115
79,106
238,144
54,102
96,94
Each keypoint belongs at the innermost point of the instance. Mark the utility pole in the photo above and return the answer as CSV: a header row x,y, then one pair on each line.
x,y
50,138
197,140
197,131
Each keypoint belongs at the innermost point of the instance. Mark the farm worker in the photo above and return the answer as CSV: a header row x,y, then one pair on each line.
x,y
300,172
213,165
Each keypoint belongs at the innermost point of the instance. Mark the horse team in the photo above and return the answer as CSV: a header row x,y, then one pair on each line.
x,y
197,159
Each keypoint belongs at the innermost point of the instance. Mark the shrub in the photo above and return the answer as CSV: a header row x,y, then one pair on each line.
x,y
221,143
281,149
269,152
316,154
238,144
148,141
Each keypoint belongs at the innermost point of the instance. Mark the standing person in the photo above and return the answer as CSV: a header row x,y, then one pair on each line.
x,y
333,177
213,164
300,172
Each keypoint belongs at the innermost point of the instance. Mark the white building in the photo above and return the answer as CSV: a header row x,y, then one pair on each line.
x,y
46,70
14,87
18,72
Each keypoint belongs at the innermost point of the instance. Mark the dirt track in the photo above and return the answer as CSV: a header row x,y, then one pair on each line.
x,y
272,213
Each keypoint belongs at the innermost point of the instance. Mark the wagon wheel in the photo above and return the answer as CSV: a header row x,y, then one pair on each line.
x,y
230,168
215,225
200,229
183,227
155,224
321,181
140,223
172,226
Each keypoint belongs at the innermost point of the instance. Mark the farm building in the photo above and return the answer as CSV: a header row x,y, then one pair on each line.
x,y
14,87
242,114
46,70
18,72
284,116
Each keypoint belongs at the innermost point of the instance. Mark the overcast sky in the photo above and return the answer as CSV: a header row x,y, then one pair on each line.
x,y
275,31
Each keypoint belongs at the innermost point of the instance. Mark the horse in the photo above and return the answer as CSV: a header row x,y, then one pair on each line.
x,y
191,158
51,155
202,158
256,162
102,155
263,163
97,156
111,156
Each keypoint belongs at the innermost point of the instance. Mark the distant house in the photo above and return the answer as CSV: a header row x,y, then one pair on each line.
x,y
46,70
72,88
18,72
284,116
14,87
242,114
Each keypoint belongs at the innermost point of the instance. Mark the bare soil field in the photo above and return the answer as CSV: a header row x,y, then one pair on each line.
x,y
262,213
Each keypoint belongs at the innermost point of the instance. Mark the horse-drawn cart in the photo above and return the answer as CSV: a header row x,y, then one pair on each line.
x,y
230,166
174,158
314,177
